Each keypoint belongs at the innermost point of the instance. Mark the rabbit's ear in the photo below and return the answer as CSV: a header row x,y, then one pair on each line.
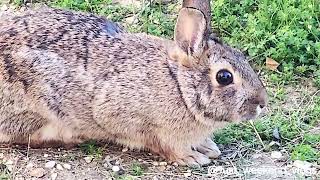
x,y
190,32
203,6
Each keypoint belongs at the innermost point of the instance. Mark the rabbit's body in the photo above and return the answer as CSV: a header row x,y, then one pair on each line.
x,y
68,82
79,87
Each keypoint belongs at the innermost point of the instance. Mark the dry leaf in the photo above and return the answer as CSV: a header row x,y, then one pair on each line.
x,y
271,64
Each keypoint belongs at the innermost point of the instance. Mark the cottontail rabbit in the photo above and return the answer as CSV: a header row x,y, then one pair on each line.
x,y
64,78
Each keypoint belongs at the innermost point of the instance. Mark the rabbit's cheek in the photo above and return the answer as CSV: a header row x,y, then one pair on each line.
x,y
250,113
220,124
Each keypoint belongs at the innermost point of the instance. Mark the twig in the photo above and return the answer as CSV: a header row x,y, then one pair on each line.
x,y
255,130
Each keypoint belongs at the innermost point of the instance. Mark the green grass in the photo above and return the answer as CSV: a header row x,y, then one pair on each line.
x,y
305,152
285,30
91,148
124,177
137,169
294,124
101,7
154,19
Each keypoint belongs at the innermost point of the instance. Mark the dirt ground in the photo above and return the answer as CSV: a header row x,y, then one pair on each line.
x,y
20,163
114,162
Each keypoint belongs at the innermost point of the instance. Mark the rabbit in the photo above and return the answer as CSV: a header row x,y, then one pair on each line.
x,y
65,79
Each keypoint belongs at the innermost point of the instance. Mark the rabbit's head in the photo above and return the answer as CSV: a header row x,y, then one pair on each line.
x,y
216,81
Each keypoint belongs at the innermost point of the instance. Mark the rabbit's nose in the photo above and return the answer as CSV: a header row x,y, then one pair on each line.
x,y
262,98
262,106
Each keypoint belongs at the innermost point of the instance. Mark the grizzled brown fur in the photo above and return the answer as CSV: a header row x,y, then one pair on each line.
x,y
69,77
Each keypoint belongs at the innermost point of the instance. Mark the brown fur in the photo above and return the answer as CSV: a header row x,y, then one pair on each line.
x,y
65,78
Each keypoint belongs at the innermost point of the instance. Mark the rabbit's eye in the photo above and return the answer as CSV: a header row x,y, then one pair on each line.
x,y
224,77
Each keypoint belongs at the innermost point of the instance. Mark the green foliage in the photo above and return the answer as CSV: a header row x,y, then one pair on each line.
x,y
305,152
137,170
313,139
101,7
124,177
317,78
18,2
156,19
235,133
91,148
285,30
4,176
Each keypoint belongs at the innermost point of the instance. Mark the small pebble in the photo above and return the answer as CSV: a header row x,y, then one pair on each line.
x,y
54,176
163,163
88,159
59,167
175,164
162,168
106,165
276,155
188,174
1,155
23,9
9,162
125,149
302,164
276,134
50,164
256,156
131,20
139,160
10,168
155,163
46,155
38,172
67,166
115,168
29,165
4,8
19,177
107,158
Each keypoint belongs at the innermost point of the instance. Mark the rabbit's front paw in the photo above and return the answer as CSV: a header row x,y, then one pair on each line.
x,y
193,158
209,148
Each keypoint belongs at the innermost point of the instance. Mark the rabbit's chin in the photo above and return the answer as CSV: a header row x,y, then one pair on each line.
x,y
253,115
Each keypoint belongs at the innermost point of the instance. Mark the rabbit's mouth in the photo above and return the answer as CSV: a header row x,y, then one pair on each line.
x,y
251,115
